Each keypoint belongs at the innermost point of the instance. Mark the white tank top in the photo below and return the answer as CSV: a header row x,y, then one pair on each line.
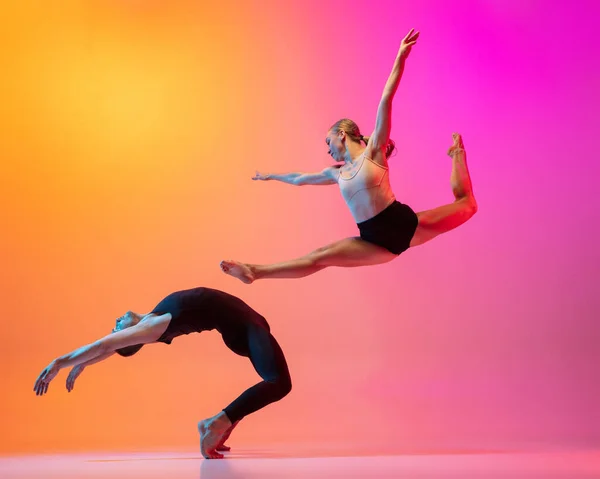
x,y
365,186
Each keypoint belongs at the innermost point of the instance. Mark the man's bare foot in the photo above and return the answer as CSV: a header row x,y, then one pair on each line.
x,y
457,145
241,271
208,440
222,446
211,433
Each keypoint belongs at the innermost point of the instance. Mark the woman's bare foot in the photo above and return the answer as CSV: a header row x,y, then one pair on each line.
x,y
460,181
211,433
457,145
241,271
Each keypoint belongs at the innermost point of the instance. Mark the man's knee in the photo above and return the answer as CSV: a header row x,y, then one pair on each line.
x,y
282,386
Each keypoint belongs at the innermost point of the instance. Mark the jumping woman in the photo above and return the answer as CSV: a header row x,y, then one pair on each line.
x,y
387,227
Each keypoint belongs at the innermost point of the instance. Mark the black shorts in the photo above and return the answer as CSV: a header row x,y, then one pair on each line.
x,y
391,229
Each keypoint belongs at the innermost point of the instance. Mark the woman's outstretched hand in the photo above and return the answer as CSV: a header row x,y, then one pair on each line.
x,y
407,42
259,176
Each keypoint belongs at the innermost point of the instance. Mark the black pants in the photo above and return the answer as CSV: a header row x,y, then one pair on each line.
x,y
258,344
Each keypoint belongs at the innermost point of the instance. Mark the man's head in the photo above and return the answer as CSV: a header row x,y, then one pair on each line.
x,y
128,320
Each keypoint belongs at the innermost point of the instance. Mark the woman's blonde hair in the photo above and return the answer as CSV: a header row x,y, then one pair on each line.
x,y
351,129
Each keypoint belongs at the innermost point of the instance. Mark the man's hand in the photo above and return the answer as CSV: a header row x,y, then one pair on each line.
x,y
73,375
43,380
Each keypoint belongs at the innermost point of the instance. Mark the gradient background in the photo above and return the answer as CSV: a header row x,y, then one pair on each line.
x,y
130,131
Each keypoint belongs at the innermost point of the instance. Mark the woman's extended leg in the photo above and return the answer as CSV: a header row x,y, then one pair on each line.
x,y
348,253
440,220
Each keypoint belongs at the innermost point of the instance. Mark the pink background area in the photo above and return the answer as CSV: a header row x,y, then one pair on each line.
x,y
130,133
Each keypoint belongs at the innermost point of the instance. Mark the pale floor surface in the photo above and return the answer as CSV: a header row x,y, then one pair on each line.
x,y
287,463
